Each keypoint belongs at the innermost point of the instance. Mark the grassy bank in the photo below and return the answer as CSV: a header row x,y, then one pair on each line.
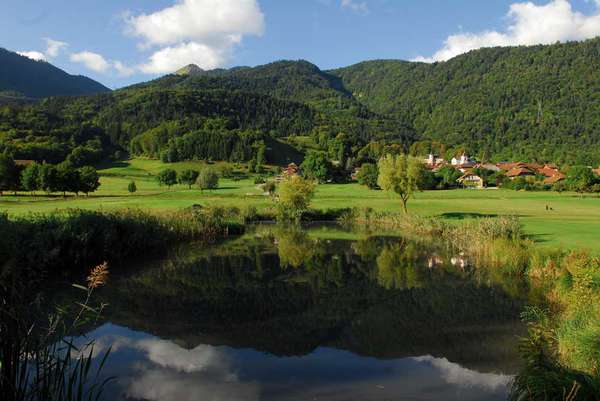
x,y
570,221
78,238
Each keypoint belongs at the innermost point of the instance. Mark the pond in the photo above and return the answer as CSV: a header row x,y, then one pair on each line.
x,y
318,313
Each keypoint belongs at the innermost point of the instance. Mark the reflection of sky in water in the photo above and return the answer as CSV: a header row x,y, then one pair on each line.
x,y
149,368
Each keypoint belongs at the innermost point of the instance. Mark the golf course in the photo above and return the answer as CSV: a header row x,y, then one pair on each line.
x,y
565,220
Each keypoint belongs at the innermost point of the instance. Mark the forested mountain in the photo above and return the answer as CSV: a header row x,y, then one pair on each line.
x,y
38,79
537,103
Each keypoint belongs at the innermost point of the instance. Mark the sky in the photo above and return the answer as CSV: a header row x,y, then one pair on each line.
x,y
120,42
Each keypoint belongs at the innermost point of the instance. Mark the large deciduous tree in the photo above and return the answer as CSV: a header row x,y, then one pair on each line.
x,y
295,194
401,174
316,166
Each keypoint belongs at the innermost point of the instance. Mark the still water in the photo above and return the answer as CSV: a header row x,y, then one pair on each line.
x,y
309,314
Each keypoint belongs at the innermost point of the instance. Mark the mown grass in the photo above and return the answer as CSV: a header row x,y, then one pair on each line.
x,y
571,221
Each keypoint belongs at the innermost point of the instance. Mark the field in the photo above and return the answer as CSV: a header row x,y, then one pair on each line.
x,y
570,221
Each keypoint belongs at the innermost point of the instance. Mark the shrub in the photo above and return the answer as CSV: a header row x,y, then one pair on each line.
x,y
132,188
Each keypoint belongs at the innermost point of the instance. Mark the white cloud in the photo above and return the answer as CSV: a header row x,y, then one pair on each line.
x,y
356,6
54,47
530,24
122,69
96,62
170,59
37,56
93,61
203,32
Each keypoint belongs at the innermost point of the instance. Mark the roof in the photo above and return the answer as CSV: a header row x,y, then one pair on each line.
x,y
24,162
548,171
555,178
519,171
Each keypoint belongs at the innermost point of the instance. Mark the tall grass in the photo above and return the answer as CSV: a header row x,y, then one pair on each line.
x,y
39,360
77,238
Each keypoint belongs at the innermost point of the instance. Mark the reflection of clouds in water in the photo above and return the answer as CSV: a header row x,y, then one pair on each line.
x,y
152,369
455,374
169,355
168,385
167,372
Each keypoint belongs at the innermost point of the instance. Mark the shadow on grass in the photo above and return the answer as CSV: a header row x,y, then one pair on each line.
x,y
539,238
465,215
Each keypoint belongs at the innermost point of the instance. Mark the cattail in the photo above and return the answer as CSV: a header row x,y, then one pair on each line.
x,y
98,276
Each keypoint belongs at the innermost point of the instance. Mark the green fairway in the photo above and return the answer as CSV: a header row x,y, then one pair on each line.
x,y
573,222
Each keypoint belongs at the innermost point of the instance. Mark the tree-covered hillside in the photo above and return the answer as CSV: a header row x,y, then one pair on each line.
x,y
38,79
534,103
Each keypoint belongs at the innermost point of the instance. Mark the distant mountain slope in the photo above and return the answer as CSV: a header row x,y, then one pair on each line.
x,y
288,80
38,79
515,102
538,103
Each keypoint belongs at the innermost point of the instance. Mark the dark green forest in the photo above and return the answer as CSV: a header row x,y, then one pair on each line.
x,y
536,103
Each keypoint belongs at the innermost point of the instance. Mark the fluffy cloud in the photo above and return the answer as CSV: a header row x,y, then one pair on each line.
x,y
54,47
171,58
122,69
37,56
93,61
202,32
529,24
356,6
96,62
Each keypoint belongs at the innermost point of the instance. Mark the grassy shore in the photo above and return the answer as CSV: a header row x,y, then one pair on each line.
x,y
572,222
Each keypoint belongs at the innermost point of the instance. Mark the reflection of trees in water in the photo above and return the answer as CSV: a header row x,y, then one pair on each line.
x,y
294,246
398,266
369,296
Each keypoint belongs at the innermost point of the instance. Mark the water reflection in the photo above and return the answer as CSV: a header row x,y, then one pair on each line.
x,y
294,315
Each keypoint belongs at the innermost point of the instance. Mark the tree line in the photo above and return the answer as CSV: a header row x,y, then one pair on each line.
x,y
46,177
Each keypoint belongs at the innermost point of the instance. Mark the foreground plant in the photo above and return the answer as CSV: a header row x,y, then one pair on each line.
x,y
41,362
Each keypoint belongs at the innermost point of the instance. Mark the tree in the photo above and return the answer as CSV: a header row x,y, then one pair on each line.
x,y
295,194
448,177
260,157
9,174
30,178
581,179
132,188
208,179
316,166
367,175
167,177
48,178
89,180
67,179
188,177
400,174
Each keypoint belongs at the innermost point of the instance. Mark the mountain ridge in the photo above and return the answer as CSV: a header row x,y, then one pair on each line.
x,y
40,79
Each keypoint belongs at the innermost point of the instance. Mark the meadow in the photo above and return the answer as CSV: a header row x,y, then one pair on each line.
x,y
551,219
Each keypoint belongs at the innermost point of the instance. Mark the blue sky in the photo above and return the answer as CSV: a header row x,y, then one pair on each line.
x,y
120,42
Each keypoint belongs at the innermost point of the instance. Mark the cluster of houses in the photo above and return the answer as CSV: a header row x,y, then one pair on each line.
x,y
511,170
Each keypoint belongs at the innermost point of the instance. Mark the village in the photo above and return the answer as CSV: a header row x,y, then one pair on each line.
x,y
474,172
